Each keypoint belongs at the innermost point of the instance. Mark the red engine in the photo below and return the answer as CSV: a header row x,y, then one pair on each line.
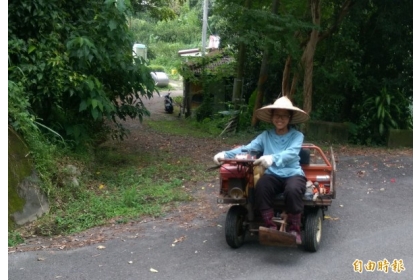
x,y
235,176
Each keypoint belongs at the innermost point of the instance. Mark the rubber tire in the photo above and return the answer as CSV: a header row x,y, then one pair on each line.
x,y
234,226
313,231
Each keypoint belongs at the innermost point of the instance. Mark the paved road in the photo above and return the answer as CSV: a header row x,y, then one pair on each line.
x,y
374,207
156,104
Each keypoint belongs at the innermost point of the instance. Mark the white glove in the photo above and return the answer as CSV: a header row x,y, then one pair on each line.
x,y
265,161
219,155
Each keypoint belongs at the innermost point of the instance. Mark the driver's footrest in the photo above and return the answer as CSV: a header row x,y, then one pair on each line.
x,y
273,237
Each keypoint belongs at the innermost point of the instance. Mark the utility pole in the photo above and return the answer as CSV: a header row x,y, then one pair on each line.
x,y
204,30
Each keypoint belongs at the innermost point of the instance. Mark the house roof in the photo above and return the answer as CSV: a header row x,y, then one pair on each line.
x,y
216,59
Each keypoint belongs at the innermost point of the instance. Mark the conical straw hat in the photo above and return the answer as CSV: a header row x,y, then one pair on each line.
x,y
299,116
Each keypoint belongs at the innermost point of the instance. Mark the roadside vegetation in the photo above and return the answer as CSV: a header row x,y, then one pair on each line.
x,y
119,186
116,186
72,78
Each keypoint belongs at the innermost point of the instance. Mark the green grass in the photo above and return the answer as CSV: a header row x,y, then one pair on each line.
x,y
206,129
183,127
120,190
118,186
14,238
129,196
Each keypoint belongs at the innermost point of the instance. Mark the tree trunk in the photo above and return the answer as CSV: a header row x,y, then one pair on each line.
x,y
260,87
263,73
307,59
238,82
285,89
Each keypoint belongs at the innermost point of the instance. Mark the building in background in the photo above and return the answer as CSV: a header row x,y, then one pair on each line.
x,y
140,50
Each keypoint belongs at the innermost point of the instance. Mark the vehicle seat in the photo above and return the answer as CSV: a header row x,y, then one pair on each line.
x,y
305,156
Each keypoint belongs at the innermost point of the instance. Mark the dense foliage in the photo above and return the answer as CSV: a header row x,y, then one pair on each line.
x,y
362,72
73,60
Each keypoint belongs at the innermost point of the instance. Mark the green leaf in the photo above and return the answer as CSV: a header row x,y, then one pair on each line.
x,y
388,99
112,24
394,124
31,48
121,6
97,83
108,2
101,106
381,128
95,114
379,112
90,84
82,106
94,103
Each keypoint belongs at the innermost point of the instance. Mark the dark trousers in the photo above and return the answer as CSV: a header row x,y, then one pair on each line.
x,y
268,186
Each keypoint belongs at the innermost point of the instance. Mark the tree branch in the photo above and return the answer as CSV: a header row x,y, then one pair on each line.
x,y
345,8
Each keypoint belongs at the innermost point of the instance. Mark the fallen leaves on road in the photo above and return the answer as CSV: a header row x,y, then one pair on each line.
x,y
326,217
361,173
178,240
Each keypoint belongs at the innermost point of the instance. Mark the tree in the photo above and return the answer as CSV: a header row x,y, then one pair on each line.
x,y
74,61
310,43
158,9
363,74
263,71
344,60
255,27
237,88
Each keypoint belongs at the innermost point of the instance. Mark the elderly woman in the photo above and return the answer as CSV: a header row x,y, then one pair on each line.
x,y
280,147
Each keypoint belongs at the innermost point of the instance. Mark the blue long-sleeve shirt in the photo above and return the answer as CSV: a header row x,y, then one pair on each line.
x,y
284,149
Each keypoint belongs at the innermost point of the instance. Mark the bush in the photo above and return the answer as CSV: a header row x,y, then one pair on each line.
x,y
157,68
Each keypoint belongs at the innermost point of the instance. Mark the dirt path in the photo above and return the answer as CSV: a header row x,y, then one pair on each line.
x,y
156,104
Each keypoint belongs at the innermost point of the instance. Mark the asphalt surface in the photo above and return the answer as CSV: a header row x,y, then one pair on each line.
x,y
370,221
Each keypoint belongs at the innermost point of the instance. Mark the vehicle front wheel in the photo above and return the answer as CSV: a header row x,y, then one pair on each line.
x,y
234,227
313,231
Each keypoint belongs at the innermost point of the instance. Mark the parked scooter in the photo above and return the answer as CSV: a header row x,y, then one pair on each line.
x,y
169,103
